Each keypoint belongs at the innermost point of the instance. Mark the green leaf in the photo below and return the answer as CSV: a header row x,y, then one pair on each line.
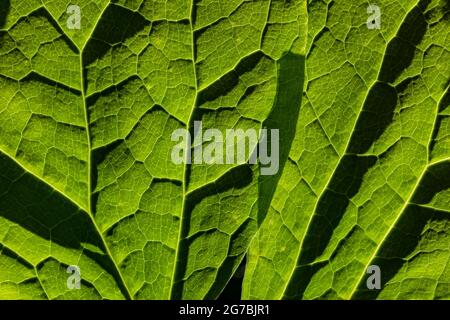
x,y
86,118
368,177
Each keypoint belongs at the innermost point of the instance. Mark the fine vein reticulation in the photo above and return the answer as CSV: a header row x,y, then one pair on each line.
x,y
368,177
86,117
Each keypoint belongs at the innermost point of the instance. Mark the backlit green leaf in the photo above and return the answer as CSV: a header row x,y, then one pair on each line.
x,y
368,177
86,118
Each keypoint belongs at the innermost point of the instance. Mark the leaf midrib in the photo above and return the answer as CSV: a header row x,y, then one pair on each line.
x,y
89,210
121,282
82,208
181,228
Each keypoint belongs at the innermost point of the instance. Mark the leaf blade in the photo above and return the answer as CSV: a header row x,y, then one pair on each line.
x,y
324,256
